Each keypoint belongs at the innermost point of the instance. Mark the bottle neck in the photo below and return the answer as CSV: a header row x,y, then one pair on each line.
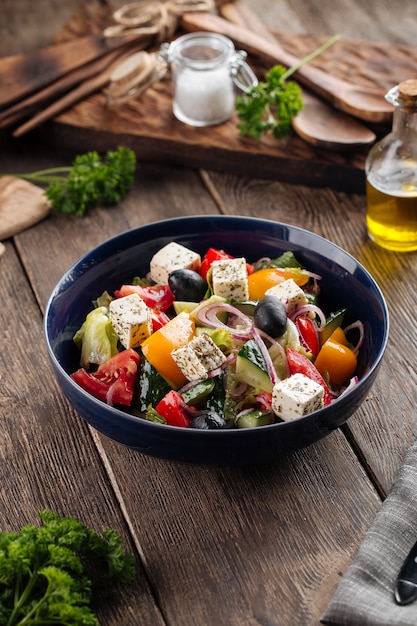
x,y
404,119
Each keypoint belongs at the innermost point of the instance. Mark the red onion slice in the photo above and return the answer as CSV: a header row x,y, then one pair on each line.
x,y
269,365
208,315
280,349
305,309
352,383
360,327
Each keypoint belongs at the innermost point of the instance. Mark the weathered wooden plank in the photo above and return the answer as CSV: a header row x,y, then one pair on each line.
x,y
241,546
48,459
247,545
203,529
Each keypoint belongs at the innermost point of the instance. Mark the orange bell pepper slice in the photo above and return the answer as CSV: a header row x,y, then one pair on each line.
x,y
336,362
263,279
157,347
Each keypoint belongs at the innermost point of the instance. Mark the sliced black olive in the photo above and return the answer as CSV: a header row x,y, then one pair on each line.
x,y
187,285
209,419
270,316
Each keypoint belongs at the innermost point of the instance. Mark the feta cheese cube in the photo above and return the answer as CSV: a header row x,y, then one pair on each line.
x,y
198,357
172,257
131,320
290,294
296,396
230,279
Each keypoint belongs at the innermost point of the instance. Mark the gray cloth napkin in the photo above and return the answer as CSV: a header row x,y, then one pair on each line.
x,y
365,595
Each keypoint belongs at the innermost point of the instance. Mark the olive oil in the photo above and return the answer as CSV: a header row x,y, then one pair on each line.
x,y
391,175
392,218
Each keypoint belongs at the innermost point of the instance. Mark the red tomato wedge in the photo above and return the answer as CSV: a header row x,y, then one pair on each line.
x,y
300,364
114,381
172,408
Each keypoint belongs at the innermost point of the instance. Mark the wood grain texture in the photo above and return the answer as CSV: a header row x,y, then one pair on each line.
x,y
259,545
39,432
147,124
259,552
353,19
318,123
219,545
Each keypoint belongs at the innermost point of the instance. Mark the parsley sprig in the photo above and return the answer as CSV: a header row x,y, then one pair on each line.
x,y
48,574
274,102
91,179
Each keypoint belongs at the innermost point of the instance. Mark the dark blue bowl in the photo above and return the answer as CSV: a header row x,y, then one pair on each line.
x,y
345,283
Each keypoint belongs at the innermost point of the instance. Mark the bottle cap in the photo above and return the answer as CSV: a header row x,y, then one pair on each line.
x,y
407,90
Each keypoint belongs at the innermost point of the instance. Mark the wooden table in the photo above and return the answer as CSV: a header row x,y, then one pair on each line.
x,y
213,546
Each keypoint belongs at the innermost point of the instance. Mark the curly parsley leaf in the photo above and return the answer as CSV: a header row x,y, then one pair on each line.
x,y
271,105
48,574
90,180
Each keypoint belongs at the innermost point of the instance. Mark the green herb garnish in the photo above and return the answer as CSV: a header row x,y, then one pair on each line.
x,y
48,574
274,102
91,179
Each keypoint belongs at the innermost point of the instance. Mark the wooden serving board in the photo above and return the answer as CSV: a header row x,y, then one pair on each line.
x,y
147,125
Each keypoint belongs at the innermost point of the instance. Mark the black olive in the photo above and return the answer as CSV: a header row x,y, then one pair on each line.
x,y
270,316
187,285
208,419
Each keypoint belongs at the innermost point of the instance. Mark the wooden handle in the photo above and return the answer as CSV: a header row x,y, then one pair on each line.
x,y
23,74
242,15
82,91
23,107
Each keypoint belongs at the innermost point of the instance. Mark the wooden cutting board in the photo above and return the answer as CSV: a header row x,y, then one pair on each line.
x,y
147,125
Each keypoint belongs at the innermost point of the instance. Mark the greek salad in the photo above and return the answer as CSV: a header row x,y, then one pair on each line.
x,y
217,342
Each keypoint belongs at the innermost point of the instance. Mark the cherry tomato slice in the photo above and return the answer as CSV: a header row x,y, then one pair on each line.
x,y
158,297
114,380
309,338
159,319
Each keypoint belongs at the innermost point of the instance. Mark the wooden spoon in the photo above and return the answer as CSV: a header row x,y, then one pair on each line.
x,y
368,105
318,123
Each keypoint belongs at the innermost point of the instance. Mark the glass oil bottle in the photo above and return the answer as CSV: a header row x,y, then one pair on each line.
x,y
391,176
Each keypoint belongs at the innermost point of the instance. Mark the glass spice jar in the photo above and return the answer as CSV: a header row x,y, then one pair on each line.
x,y
391,176
205,69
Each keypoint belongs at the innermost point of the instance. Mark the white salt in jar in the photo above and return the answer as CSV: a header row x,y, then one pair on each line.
x,y
205,70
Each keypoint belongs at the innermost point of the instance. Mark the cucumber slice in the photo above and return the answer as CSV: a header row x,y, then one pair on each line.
x,y
251,367
150,386
248,308
181,305
200,330
254,418
197,395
